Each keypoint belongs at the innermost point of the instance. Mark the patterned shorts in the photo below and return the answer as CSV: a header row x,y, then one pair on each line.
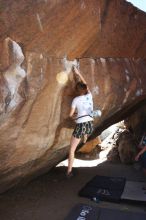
x,y
83,128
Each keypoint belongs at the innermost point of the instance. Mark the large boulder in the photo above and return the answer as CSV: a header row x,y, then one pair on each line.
x,y
83,28
127,147
37,84
35,129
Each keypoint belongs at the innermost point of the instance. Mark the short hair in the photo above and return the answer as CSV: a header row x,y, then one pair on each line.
x,y
81,88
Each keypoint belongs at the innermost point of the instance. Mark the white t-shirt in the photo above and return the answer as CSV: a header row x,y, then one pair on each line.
x,y
84,106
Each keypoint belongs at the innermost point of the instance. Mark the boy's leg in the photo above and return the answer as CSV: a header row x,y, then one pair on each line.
x,y
85,138
73,145
88,130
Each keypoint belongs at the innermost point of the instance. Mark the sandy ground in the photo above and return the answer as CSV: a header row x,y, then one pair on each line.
x,y
51,197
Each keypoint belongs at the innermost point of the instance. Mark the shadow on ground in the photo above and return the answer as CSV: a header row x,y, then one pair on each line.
x,y
51,197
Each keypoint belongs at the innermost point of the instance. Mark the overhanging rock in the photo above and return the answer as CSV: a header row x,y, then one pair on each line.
x,y
37,84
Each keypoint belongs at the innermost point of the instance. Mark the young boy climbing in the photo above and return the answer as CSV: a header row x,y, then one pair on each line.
x,y
83,105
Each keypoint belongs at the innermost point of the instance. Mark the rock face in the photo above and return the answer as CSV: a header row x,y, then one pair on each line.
x,y
126,147
35,129
83,28
37,84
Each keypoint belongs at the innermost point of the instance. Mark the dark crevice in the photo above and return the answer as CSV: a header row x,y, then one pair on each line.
x,y
105,12
117,117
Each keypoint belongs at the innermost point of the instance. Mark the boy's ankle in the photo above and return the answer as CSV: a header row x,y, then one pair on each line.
x,y
69,174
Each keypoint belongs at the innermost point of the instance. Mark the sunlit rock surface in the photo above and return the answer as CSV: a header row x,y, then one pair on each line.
x,y
37,39
82,28
35,129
